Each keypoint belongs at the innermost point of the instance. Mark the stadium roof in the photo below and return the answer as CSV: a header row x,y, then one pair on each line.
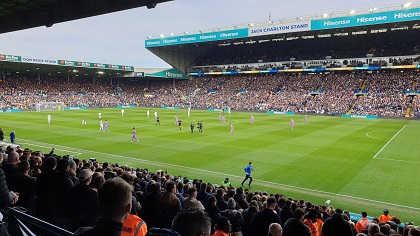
x,y
182,51
11,64
17,15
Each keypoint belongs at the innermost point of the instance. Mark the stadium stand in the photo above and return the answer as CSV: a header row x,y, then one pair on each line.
x,y
380,93
151,194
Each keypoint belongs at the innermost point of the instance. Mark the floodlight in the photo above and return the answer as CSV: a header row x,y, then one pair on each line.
x,y
325,15
161,35
407,5
352,12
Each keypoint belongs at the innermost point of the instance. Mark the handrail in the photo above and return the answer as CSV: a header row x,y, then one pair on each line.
x,y
21,216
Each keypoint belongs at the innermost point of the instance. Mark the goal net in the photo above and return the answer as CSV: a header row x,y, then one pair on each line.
x,y
49,106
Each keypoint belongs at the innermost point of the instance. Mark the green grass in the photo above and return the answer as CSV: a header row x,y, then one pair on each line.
x,y
327,158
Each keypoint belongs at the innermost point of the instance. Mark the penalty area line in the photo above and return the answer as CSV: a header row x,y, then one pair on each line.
x,y
386,144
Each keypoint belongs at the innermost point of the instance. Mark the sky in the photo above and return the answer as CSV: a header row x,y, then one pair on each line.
x,y
118,38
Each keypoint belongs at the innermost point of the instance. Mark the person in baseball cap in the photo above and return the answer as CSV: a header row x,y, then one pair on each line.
x,y
385,217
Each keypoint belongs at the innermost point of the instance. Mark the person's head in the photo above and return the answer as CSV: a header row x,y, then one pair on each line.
x,y
383,229
13,158
211,201
192,222
299,214
192,192
114,199
220,192
63,165
85,176
223,224
231,203
50,164
364,214
24,167
414,231
98,181
250,163
271,203
275,229
170,187
386,212
373,229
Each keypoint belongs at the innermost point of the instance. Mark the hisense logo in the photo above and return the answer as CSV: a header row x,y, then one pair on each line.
x,y
170,74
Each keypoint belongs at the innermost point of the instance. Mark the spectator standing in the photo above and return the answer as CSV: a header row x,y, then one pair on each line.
x,y
362,223
83,209
264,218
168,206
12,136
25,186
336,225
114,200
295,226
234,216
1,134
192,222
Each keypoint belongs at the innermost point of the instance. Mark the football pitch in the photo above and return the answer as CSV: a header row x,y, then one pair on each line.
x,y
358,164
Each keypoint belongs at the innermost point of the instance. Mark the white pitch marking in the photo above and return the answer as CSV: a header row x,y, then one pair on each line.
x,y
395,135
413,162
37,145
377,131
241,177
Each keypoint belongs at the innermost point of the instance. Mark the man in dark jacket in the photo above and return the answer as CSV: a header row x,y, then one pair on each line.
x,y
114,200
84,209
240,198
10,168
295,226
150,204
25,186
264,218
1,134
286,213
168,206
62,184
6,197
12,136
336,225
220,197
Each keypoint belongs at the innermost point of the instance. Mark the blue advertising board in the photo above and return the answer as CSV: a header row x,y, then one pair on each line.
x,y
197,38
367,19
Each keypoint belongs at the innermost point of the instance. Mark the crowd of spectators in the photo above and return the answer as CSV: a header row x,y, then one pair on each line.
x,y
397,43
312,64
322,93
385,95
113,199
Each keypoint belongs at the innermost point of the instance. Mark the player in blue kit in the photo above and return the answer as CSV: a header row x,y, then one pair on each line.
x,y
248,171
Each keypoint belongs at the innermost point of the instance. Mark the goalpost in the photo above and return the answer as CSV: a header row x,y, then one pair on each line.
x,y
49,106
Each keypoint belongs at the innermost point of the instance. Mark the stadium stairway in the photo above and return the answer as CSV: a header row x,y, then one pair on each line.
x,y
351,109
363,84
410,105
361,89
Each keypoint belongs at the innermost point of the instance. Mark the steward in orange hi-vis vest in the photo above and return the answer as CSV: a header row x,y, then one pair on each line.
x,y
134,226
